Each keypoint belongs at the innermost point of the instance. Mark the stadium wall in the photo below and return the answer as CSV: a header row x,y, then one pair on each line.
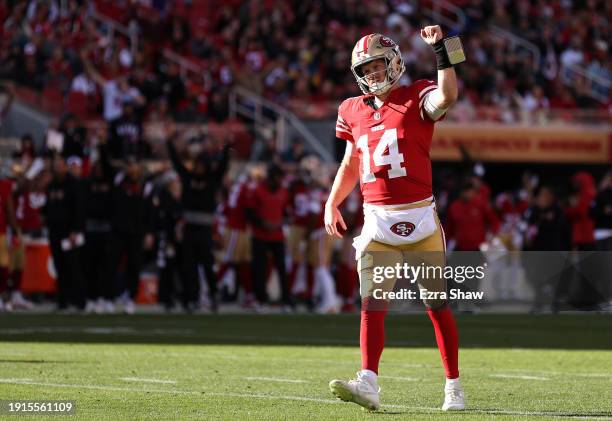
x,y
494,142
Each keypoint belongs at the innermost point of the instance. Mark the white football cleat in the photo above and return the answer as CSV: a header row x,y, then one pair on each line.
x,y
20,302
90,307
453,397
109,307
330,307
130,307
363,391
99,306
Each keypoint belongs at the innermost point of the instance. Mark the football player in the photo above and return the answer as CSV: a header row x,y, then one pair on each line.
x,y
237,238
388,132
299,192
320,246
7,219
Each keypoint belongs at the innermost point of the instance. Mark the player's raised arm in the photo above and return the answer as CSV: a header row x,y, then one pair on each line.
x,y
346,178
448,52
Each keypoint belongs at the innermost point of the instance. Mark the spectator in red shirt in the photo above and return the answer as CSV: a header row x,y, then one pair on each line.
x,y
469,218
583,227
588,292
266,211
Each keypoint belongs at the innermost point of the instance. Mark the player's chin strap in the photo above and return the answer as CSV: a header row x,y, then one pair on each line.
x,y
449,52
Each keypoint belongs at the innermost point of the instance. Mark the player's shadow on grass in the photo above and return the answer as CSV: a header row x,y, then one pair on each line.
x,y
579,331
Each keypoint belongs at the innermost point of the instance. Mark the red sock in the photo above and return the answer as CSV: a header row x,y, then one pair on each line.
x,y
447,339
372,337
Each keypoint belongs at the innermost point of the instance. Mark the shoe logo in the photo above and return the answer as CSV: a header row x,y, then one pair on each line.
x,y
403,229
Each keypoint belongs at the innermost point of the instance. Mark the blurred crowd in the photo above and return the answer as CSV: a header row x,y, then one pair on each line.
x,y
532,228
213,232
296,53
108,215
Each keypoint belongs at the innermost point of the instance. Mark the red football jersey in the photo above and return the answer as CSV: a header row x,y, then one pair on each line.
x,y
299,204
27,210
270,208
236,206
317,200
392,143
467,222
6,188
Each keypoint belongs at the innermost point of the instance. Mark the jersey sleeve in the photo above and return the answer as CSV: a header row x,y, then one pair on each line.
x,y
343,129
425,87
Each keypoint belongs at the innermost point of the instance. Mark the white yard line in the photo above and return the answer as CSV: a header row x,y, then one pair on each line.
x,y
141,380
516,376
276,379
300,398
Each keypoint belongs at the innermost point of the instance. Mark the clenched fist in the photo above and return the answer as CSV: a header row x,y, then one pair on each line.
x,y
432,34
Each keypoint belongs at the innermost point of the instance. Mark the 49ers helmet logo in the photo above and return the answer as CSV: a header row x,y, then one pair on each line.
x,y
403,229
386,42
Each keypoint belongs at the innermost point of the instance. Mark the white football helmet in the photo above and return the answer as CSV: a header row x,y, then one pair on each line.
x,y
373,47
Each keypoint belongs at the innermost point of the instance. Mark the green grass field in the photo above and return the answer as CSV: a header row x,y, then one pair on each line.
x,y
273,367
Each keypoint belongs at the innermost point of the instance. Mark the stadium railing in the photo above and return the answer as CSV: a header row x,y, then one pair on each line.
x,y
269,116
111,27
598,87
518,45
443,12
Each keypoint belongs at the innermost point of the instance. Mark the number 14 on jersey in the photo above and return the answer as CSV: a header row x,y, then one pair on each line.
x,y
393,158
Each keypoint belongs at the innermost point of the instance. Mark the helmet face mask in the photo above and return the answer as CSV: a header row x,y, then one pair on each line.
x,y
372,81
376,47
